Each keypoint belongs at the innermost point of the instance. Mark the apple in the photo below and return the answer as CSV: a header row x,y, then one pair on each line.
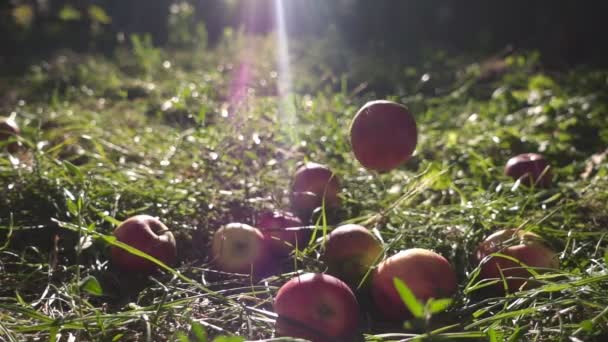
x,y
281,241
240,248
530,169
312,183
317,307
350,251
8,130
426,273
383,135
524,246
150,236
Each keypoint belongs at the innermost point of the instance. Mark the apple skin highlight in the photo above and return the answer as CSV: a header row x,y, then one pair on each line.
x,y
426,273
350,251
313,185
383,135
150,236
317,307
530,169
240,248
526,247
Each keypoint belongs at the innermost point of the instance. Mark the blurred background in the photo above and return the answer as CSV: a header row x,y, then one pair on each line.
x,y
566,33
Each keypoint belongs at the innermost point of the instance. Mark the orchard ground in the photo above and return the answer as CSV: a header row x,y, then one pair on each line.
x,y
197,139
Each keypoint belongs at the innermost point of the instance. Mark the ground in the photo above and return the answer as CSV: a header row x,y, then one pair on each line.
x,y
184,136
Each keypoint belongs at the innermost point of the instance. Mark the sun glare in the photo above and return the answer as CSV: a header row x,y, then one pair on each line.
x,y
286,105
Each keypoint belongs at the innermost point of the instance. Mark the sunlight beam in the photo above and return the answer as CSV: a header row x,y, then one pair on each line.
x,y
286,105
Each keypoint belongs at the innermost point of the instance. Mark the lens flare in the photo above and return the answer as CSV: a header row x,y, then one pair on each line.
x,y
287,110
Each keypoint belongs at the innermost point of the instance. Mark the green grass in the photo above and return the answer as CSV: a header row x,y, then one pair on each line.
x,y
109,138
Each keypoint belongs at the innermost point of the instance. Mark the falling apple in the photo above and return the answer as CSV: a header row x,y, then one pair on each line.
x,y
426,273
529,168
383,135
317,307
240,248
350,251
311,185
283,231
526,247
147,234
8,130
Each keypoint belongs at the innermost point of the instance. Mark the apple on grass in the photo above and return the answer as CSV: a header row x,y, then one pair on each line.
x,y
240,248
147,234
426,273
8,130
350,251
383,135
280,229
317,307
530,169
313,185
526,247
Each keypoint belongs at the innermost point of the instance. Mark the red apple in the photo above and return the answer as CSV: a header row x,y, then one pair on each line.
x,y
529,168
350,251
150,236
426,273
524,246
383,135
317,307
313,182
9,129
282,241
240,248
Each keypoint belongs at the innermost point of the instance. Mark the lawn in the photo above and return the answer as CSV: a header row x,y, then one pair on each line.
x,y
178,135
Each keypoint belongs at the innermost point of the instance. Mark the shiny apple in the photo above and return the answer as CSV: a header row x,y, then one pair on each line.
x,y
383,135
530,169
311,185
317,307
524,246
147,234
350,251
426,273
240,248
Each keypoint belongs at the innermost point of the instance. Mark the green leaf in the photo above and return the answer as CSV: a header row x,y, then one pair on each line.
x,y
73,169
181,337
438,305
72,208
199,332
202,115
408,298
91,285
99,15
555,287
229,339
69,13
492,336
587,325
516,335
606,257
